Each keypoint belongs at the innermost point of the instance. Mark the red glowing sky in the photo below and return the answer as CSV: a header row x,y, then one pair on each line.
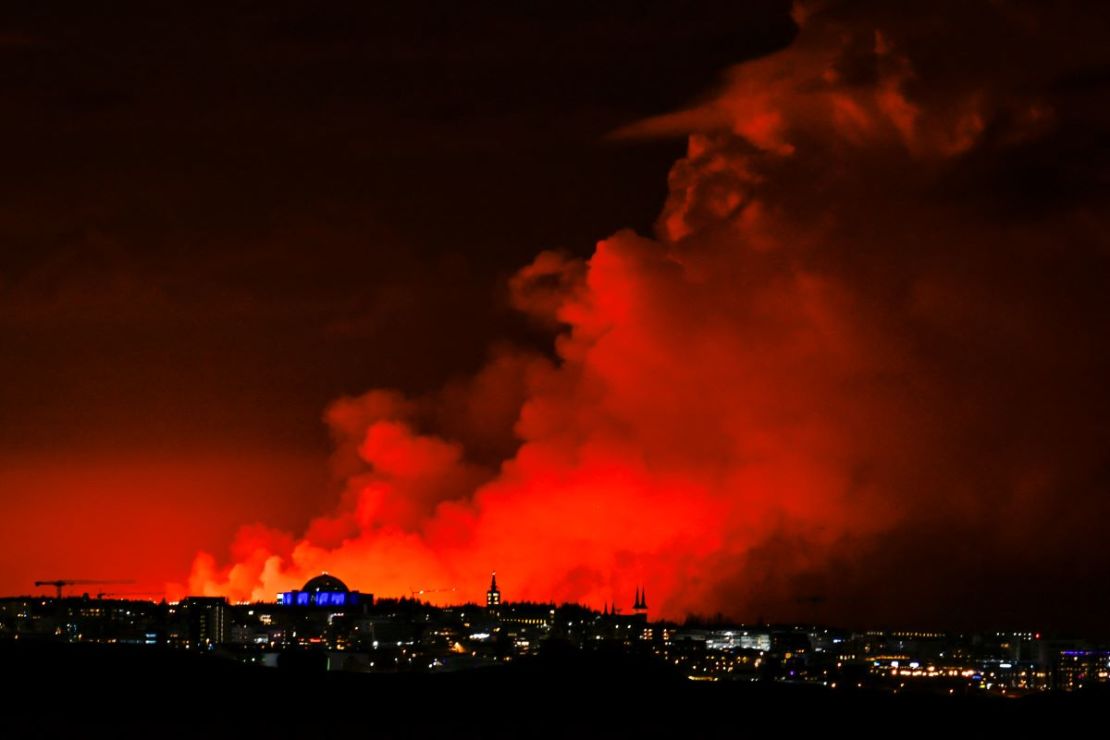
x,y
857,356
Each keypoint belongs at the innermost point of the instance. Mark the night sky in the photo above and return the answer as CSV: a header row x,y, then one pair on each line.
x,y
297,287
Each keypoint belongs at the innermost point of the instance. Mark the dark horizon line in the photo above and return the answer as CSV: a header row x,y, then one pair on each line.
x,y
695,620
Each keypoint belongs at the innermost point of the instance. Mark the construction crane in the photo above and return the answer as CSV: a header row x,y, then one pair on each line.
x,y
422,591
102,594
62,582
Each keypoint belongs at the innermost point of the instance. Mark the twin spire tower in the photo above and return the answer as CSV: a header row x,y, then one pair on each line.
x,y
639,606
493,598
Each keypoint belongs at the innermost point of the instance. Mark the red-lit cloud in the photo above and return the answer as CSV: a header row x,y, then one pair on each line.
x,y
857,369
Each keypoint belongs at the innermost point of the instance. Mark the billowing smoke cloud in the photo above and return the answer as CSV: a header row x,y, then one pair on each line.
x,y
859,373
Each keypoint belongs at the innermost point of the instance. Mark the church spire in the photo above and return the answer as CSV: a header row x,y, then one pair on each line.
x,y
493,596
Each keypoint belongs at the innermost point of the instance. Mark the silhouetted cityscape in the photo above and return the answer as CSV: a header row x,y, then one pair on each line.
x,y
327,627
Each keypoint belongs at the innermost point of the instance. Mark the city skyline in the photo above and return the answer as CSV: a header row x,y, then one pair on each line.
x,y
326,627
491,598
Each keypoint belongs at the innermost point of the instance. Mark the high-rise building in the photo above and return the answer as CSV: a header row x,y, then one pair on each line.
x,y
207,619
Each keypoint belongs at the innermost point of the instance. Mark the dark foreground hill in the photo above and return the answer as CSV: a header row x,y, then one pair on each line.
x,y
54,690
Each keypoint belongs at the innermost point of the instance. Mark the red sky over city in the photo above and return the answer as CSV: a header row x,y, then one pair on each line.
x,y
780,312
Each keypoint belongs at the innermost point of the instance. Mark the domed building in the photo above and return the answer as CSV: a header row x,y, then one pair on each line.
x,y
324,582
324,590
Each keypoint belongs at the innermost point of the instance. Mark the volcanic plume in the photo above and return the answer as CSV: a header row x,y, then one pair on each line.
x,y
857,374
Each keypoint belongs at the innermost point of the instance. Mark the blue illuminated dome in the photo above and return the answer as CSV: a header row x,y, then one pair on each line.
x,y
325,591
324,582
